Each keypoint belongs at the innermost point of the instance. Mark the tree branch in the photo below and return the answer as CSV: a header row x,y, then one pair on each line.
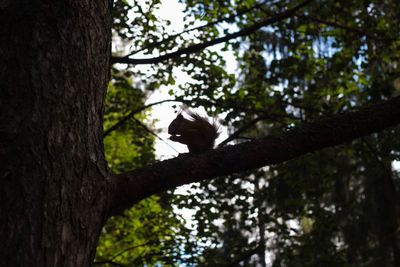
x,y
212,23
133,186
198,47
343,27
265,115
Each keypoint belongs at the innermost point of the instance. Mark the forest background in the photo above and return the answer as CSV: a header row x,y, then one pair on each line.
x,y
329,208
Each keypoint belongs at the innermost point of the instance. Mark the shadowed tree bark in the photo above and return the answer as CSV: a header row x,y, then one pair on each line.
x,y
54,70
55,189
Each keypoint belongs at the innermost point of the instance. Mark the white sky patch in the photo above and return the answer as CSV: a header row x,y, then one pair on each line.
x,y
396,165
173,11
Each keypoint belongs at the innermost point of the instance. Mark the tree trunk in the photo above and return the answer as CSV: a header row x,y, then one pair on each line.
x,y
54,69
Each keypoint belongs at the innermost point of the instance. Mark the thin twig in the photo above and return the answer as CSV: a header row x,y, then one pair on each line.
x,y
265,115
243,129
128,249
135,111
153,133
340,26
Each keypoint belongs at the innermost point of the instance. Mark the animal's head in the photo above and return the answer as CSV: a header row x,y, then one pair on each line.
x,y
176,126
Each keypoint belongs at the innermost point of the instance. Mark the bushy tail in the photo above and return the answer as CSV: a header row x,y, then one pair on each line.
x,y
194,116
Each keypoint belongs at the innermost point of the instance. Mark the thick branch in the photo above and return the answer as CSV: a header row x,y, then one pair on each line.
x,y
198,47
134,186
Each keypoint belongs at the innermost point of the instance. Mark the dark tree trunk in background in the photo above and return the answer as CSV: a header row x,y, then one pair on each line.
x,y
54,69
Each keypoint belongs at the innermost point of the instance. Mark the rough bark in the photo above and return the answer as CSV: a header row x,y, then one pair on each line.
x,y
54,69
134,186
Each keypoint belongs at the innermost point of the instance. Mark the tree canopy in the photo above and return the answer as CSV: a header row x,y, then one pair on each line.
x,y
307,73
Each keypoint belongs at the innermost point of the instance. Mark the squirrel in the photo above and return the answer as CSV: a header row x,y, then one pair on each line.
x,y
197,132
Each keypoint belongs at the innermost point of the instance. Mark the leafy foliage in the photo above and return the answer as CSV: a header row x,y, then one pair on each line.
x,y
336,207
